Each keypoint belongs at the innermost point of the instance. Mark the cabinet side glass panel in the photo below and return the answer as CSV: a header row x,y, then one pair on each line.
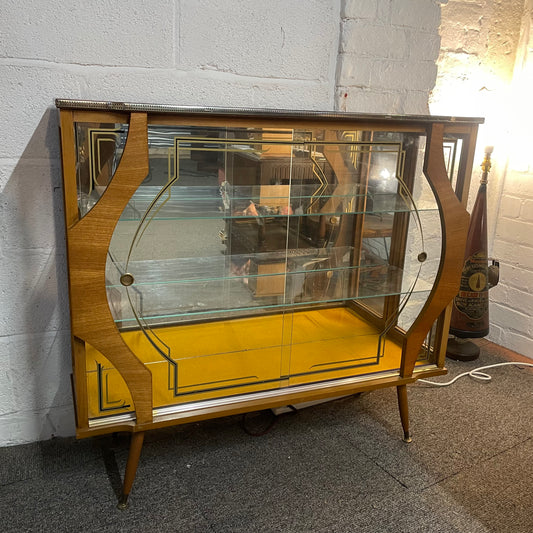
x,y
99,150
453,152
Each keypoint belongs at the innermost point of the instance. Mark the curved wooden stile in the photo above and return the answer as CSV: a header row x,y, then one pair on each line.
x,y
88,244
454,222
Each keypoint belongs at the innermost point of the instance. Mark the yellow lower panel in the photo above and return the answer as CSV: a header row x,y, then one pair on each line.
x,y
215,376
337,343
107,392
219,359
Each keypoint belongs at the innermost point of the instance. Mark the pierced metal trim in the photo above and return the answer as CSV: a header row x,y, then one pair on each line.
x,y
253,112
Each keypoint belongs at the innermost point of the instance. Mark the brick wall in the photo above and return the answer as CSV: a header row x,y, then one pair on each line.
x,y
485,68
387,55
512,300
280,53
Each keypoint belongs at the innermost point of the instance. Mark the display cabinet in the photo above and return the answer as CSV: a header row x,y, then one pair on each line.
x,y
223,261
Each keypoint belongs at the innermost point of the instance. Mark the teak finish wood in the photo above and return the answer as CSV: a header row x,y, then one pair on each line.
x,y
88,243
454,222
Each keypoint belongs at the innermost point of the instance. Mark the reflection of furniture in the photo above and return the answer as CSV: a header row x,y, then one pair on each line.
x,y
276,175
172,324
378,226
268,276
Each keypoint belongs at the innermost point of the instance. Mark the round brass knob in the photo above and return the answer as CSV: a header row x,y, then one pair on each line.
x,y
127,279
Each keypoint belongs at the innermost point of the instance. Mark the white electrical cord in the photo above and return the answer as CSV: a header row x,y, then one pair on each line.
x,y
474,374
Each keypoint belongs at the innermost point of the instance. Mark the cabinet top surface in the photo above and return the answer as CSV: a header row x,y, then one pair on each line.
x,y
255,112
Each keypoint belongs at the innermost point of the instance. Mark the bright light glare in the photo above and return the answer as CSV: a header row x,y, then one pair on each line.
x,y
506,107
384,174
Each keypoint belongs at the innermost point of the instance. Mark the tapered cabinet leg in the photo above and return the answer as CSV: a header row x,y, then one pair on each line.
x,y
404,411
134,455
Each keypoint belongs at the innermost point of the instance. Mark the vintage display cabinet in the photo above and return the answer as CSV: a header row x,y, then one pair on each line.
x,y
223,261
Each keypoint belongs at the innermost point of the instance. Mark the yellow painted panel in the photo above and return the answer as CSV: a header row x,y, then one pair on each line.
x,y
195,340
107,392
225,358
338,358
336,323
336,343
215,376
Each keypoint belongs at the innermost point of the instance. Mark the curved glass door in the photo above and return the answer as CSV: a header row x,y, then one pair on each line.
x,y
255,259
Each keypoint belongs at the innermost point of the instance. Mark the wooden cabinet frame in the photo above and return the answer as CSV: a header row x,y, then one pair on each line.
x,y
89,237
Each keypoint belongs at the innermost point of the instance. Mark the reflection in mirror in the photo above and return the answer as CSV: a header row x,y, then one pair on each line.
x,y
452,148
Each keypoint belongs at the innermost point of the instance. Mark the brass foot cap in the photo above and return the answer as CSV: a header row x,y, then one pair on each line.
x,y
123,503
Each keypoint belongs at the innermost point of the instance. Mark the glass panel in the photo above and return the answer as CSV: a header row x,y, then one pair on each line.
x,y
254,259
99,149
452,147
431,244
336,343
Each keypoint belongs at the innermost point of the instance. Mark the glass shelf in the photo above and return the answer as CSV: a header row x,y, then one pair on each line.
x,y
193,315
189,289
207,203
199,270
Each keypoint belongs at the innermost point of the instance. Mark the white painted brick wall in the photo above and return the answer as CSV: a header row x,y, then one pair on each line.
x,y
510,207
512,309
373,39
275,39
419,14
477,76
387,55
65,33
363,9
526,210
280,53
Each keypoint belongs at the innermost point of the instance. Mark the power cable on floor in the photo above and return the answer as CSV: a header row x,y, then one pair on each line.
x,y
476,374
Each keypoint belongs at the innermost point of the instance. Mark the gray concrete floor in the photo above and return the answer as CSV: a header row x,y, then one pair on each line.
x,y
336,467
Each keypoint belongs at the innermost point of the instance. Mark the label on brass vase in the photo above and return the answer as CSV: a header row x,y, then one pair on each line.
x,y
473,297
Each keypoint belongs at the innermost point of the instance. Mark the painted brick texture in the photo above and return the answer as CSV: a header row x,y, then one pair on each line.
x,y
387,55
486,68
512,308
512,299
